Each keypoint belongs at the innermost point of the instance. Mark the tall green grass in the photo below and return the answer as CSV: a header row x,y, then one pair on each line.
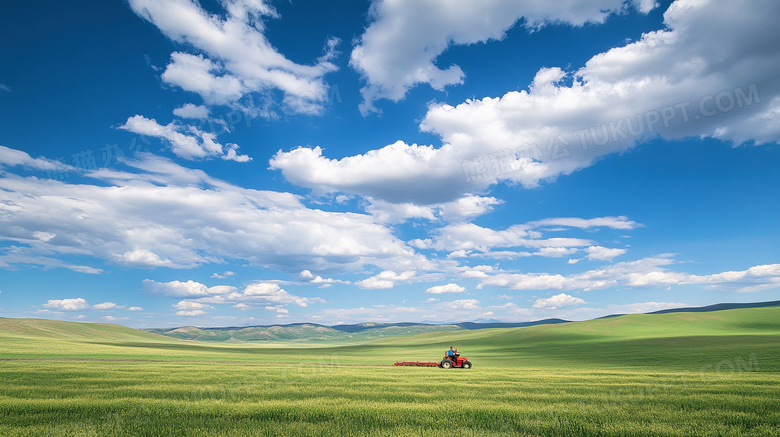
x,y
674,374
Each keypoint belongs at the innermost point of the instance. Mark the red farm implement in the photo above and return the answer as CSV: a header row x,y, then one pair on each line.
x,y
457,362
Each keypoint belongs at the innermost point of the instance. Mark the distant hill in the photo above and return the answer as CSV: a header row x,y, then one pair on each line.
x,y
292,333
301,332
360,332
312,332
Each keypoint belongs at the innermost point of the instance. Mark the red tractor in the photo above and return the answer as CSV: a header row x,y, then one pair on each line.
x,y
449,362
456,361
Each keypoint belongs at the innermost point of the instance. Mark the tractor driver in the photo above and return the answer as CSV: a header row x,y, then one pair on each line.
x,y
451,354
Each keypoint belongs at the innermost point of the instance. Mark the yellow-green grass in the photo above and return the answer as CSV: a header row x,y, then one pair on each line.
x,y
673,374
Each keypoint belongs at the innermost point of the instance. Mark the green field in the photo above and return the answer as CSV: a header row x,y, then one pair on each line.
x,y
714,373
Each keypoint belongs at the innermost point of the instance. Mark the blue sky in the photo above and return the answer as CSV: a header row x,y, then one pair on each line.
x,y
225,163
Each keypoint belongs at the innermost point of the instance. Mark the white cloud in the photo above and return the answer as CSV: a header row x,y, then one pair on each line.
x,y
600,253
234,58
458,210
691,79
646,272
222,276
190,305
255,295
187,142
469,239
192,111
12,157
144,258
385,279
199,75
280,310
183,289
192,313
398,49
75,304
190,309
449,288
133,216
461,304
106,306
391,173
555,252
620,222
386,212
477,271
558,301
20,255
670,83
135,309
308,276
269,292
468,207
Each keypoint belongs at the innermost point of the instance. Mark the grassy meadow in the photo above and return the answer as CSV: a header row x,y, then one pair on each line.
x,y
712,374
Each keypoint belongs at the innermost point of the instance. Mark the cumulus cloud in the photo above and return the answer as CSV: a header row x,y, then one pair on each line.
x,y
461,304
106,306
199,297
459,210
385,279
399,47
183,289
466,239
646,272
669,83
12,157
227,274
189,110
74,304
190,313
134,216
189,305
601,253
692,78
449,288
187,142
308,276
392,173
558,301
232,58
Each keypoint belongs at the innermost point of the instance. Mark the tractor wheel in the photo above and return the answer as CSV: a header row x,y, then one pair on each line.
x,y
467,364
446,364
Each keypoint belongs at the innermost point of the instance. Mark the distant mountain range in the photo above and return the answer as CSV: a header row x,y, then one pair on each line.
x,y
312,332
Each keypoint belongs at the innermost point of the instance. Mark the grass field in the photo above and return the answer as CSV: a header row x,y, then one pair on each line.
x,y
672,374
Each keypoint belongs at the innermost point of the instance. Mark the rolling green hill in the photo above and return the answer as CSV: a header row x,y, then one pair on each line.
x,y
680,374
55,329
673,340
